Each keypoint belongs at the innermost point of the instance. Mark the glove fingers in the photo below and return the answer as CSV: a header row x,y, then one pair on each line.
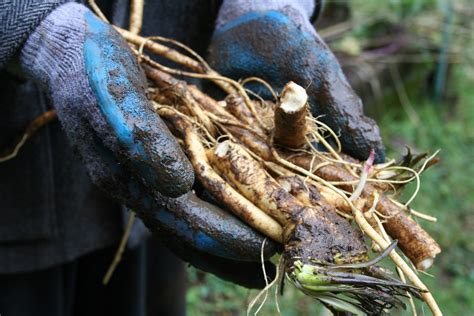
x,y
191,221
207,228
246,274
145,145
106,172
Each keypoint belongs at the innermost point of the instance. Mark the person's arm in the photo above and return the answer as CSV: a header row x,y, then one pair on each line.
x,y
17,20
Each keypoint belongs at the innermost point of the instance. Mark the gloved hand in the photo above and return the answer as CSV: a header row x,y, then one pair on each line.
x,y
98,91
275,40
198,232
97,88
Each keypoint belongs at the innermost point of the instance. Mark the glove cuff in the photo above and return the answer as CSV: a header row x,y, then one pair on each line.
x,y
55,48
53,56
299,11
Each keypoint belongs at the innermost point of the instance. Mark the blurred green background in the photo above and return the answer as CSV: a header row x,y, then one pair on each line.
x,y
412,62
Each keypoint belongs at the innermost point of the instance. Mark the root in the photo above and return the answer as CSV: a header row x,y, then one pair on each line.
x,y
177,92
212,106
290,117
309,193
120,249
136,16
251,179
253,142
306,193
367,228
415,242
427,297
309,232
161,50
217,186
264,291
236,105
32,128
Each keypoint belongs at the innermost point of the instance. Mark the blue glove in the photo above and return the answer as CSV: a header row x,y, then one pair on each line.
x,y
198,232
191,223
98,91
275,40
95,84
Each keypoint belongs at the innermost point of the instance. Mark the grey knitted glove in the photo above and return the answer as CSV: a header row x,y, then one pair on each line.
x,y
99,93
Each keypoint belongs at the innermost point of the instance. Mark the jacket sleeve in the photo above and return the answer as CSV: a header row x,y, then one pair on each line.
x,y
18,18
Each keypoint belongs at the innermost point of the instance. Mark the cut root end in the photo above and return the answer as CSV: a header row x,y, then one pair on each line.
x,y
290,117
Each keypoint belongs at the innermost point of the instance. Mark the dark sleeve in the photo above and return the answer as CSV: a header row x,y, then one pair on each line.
x,y
18,18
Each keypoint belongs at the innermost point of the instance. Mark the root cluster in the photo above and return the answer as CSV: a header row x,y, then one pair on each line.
x,y
259,159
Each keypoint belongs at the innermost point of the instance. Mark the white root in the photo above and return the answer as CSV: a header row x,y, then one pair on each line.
x,y
216,185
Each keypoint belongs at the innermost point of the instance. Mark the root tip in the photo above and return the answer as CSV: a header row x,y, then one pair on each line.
x,y
222,149
425,264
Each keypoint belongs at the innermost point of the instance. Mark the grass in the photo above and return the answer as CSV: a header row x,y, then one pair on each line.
x,y
209,295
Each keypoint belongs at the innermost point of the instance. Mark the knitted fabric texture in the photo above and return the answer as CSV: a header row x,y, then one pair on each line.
x,y
17,20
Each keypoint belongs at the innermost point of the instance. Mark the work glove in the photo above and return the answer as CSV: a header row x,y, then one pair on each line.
x,y
274,40
98,90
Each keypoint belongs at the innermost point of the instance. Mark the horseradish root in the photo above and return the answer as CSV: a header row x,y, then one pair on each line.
x,y
217,186
246,154
290,117
415,242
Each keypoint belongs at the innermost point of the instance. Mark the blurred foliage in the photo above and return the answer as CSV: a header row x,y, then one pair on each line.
x,y
212,296
423,24
446,190
392,11
424,125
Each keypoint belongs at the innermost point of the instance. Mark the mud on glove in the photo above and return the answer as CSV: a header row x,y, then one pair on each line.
x,y
198,232
275,40
97,88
